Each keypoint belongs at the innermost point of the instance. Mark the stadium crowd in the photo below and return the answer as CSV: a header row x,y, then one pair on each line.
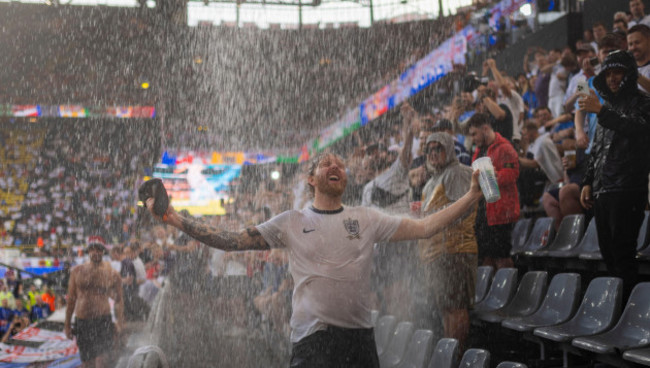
x,y
62,194
538,128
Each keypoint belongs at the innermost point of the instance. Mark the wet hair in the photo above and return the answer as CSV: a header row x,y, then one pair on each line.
x,y
611,41
540,109
530,126
621,21
641,28
313,165
478,120
597,24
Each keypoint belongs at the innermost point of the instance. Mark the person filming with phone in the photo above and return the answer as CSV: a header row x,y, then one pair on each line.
x,y
615,184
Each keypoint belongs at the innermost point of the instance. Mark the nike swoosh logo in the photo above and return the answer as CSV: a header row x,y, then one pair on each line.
x,y
307,231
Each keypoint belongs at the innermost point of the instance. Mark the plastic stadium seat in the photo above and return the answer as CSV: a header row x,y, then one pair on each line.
x,y
644,253
394,352
568,235
632,330
590,250
558,306
530,293
374,314
475,358
511,365
384,331
541,236
589,243
520,235
418,350
639,356
642,238
484,276
501,291
597,313
445,355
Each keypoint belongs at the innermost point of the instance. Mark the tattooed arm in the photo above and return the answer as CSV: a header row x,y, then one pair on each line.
x,y
248,239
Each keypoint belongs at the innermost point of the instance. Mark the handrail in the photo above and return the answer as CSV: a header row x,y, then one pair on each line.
x,y
27,272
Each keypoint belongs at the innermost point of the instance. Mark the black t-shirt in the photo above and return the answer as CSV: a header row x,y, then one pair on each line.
x,y
128,269
503,126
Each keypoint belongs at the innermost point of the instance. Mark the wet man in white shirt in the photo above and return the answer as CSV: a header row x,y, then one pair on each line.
x,y
330,259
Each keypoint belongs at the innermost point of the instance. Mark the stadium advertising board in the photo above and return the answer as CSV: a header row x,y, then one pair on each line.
x,y
76,111
199,181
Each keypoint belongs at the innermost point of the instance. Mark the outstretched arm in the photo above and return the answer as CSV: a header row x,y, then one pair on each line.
x,y
410,229
248,239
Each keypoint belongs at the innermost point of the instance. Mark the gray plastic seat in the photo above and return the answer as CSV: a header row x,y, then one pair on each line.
x,y
394,352
632,330
588,243
418,350
643,239
558,306
511,365
541,236
639,356
590,250
501,291
530,293
484,276
384,331
597,313
519,235
475,358
445,355
568,235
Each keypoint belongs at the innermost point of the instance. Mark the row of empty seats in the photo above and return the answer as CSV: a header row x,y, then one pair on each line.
x,y
555,312
398,345
571,240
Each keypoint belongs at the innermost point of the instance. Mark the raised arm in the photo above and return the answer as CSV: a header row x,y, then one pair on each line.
x,y
411,126
410,229
247,239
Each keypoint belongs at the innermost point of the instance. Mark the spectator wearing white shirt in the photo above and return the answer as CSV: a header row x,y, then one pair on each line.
x,y
638,43
638,14
599,31
558,84
508,96
584,54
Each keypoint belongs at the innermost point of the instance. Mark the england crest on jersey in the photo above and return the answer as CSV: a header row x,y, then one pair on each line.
x,y
352,227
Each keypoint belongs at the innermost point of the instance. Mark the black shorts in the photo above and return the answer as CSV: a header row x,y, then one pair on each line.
x,y
336,347
95,336
494,241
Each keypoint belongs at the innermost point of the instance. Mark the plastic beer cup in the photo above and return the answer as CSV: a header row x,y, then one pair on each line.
x,y
487,179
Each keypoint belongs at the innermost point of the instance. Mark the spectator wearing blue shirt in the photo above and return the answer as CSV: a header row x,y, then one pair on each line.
x,y
5,316
40,310
20,309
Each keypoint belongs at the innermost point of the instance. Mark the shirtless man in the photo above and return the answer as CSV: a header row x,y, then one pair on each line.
x,y
90,286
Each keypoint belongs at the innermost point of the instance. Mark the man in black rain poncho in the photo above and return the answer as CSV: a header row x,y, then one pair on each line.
x,y
616,181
